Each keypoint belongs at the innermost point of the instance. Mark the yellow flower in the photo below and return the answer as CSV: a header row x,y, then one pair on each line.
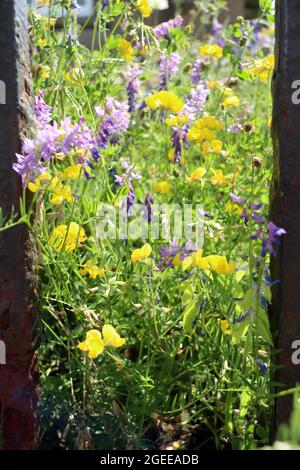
x,y
92,270
210,122
171,155
72,172
220,265
263,68
126,49
197,175
176,260
177,121
199,135
213,84
218,178
35,186
205,129
141,253
93,345
214,146
75,75
43,74
67,238
144,8
165,99
163,187
225,327
111,337
211,50
61,193
42,42
43,3
231,102
233,209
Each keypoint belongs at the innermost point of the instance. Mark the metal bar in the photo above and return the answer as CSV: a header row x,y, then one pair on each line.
x,y
18,304
285,200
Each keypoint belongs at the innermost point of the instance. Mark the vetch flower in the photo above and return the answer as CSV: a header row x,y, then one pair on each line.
x,y
163,29
196,74
169,66
262,366
133,86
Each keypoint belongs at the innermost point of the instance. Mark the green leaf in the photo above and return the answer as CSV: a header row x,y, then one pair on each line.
x,y
239,330
263,326
186,263
189,316
249,300
245,402
188,294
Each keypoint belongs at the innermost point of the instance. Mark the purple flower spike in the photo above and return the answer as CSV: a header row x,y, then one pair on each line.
x,y
169,66
262,366
163,29
237,199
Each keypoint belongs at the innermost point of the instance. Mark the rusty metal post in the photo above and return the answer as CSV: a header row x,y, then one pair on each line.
x,y
18,305
285,200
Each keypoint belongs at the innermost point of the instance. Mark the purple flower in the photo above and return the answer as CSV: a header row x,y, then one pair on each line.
x,y
148,207
257,235
262,366
235,129
237,199
196,74
244,317
169,66
42,110
258,218
195,103
130,199
128,174
269,281
115,121
163,29
245,216
275,231
216,29
274,235
74,5
134,73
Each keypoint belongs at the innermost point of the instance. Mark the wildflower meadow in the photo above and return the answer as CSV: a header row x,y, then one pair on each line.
x,y
146,180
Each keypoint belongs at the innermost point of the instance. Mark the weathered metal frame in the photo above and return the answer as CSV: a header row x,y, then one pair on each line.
x,y
285,201
18,293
